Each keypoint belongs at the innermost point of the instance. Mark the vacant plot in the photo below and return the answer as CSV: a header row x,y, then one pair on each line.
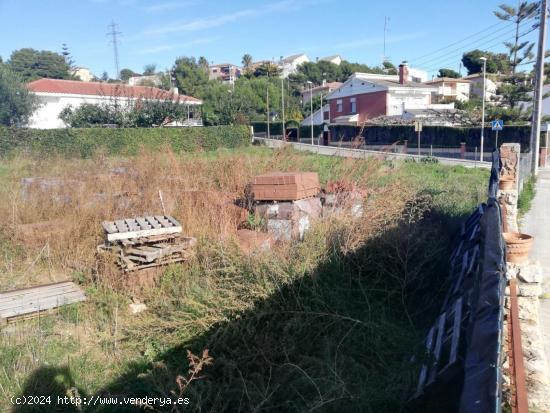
x,y
326,324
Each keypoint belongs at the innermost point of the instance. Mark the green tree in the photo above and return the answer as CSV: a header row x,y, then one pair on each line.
x,y
16,102
203,63
126,74
104,76
448,73
267,69
65,52
496,62
189,75
31,64
389,67
150,69
247,60
524,12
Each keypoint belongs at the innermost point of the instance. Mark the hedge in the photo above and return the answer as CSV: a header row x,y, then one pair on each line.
x,y
124,141
441,136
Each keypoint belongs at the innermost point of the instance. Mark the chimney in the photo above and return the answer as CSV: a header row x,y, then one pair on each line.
x,y
324,82
174,91
403,72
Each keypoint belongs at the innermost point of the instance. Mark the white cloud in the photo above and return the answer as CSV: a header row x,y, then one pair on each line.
x,y
215,21
166,47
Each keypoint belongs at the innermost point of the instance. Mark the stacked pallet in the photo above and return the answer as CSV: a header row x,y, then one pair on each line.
x,y
29,302
146,242
287,202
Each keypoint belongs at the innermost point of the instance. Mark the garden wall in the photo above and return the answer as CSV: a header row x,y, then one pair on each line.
x,y
438,136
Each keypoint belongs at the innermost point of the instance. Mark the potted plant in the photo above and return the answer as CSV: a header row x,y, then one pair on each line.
x,y
518,246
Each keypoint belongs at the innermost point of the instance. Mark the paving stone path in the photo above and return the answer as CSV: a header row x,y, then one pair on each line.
x,y
537,223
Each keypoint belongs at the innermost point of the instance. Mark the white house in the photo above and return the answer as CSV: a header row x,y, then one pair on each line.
x,y
83,74
476,86
320,116
145,80
54,95
289,65
324,89
336,59
367,96
449,88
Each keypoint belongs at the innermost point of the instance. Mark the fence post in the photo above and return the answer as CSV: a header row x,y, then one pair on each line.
x,y
405,146
542,157
462,150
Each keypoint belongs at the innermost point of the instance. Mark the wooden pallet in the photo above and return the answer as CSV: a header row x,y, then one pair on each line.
x,y
443,345
29,302
146,242
122,229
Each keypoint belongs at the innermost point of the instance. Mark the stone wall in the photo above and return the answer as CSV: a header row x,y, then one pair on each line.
x,y
529,278
508,198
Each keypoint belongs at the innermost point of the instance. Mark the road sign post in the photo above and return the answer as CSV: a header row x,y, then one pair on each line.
x,y
497,125
418,129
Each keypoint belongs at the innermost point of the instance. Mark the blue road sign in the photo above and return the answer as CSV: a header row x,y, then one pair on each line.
x,y
497,124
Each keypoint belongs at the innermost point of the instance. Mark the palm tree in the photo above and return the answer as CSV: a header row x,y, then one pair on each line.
x,y
247,60
203,63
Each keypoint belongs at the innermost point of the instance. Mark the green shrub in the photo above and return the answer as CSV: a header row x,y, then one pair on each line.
x,y
527,195
124,141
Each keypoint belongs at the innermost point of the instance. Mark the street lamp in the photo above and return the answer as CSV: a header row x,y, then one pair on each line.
x,y
484,59
310,83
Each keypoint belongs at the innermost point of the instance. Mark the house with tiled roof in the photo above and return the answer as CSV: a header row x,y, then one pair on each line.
x,y
365,96
54,95
322,90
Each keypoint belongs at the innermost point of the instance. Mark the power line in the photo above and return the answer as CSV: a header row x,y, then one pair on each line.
x,y
469,45
460,50
114,33
460,41
487,47
420,58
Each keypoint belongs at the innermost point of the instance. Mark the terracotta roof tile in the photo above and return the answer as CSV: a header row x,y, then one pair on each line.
x,y
73,87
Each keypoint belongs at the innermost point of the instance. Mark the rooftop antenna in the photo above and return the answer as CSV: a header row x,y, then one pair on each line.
x,y
386,21
114,33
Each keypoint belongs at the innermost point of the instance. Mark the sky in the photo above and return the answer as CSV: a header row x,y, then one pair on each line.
x,y
426,33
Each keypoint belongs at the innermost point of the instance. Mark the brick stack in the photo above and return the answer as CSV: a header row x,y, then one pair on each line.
x,y
285,186
287,203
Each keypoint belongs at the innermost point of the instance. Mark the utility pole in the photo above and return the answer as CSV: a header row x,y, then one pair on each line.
x,y
483,107
537,95
114,33
283,106
267,104
386,19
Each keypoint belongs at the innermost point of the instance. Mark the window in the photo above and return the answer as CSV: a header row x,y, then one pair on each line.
x,y
339,106
353,105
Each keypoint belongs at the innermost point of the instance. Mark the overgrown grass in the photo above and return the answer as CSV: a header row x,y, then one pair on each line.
x,y
328,324
527,195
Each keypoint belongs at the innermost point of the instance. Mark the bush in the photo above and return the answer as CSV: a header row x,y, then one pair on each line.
x,y
141,114
125,141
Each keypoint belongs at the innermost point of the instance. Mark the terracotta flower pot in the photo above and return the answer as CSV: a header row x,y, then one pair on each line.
x,y
518,246
506,184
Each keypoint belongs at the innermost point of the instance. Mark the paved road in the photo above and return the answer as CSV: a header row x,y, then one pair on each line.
x,y
537,223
